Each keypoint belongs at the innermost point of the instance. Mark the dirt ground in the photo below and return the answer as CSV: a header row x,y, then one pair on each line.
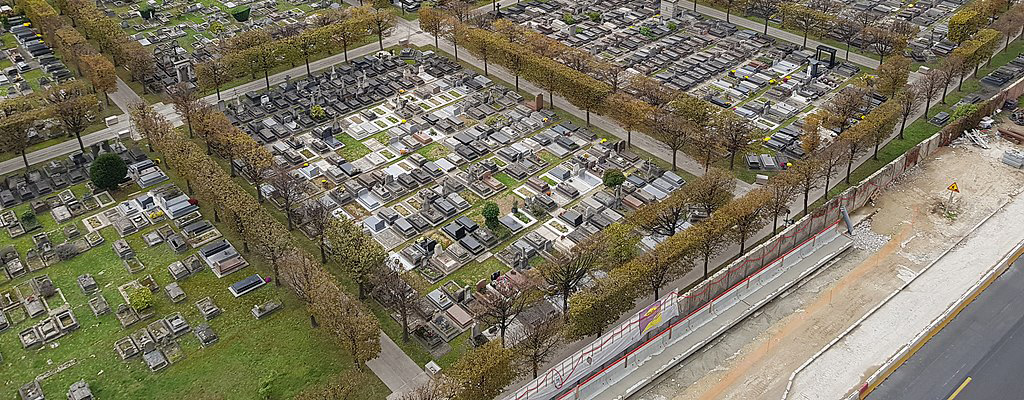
x,y
908,226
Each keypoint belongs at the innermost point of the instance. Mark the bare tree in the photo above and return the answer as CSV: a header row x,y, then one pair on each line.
x,y
712,190
540,338
394,290
289,189
928,87
316,219
502,307
566,269
186,102
303,276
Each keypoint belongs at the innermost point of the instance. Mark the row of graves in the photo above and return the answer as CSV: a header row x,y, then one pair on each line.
x,y
31,53
551,218
610,27
59,174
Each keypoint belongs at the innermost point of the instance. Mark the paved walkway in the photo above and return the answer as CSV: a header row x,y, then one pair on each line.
x,y
399,372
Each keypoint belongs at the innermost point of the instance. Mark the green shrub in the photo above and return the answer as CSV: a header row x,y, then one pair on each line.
x,y
108,171
141,298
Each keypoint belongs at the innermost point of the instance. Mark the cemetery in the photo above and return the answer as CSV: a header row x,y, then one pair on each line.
x,y
182,33
769,82
94,286
29,63
411,147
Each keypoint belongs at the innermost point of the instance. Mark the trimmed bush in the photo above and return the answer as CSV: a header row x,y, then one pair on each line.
x,y
108,171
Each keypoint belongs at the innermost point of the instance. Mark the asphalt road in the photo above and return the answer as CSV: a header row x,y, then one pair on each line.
x,y
977,356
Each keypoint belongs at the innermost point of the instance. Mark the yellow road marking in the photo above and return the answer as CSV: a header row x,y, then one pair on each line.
x,y
962,386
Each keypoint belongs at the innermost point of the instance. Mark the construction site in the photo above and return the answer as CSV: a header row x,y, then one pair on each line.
x,y
918,246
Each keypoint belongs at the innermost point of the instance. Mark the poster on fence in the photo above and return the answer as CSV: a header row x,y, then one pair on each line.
x,y
650,317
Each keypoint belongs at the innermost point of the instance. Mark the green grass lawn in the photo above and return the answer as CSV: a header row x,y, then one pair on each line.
x,y
434,151
7,41
280,354
353,149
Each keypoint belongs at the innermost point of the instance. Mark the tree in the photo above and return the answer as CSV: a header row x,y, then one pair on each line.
x,y
213,74
289,189
140,62
928,86
783,188
515,60
805,19
831,156
540,338
711,239
564,270
854,142
309,42
657,271
764,9
964,23
432,22
273,246
187,103
592,310
630,113
613,177
808,173
380,21
849,27
108,171
846,105
736,134
712,190
491,212
952,66
350,31
707,144
884,41
618,245
317,220
357,253
304,277
14,132
749,215
349,322
669,129
892,76
502,308
395,289
100,72
908,100
73,108
665,218
483,372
